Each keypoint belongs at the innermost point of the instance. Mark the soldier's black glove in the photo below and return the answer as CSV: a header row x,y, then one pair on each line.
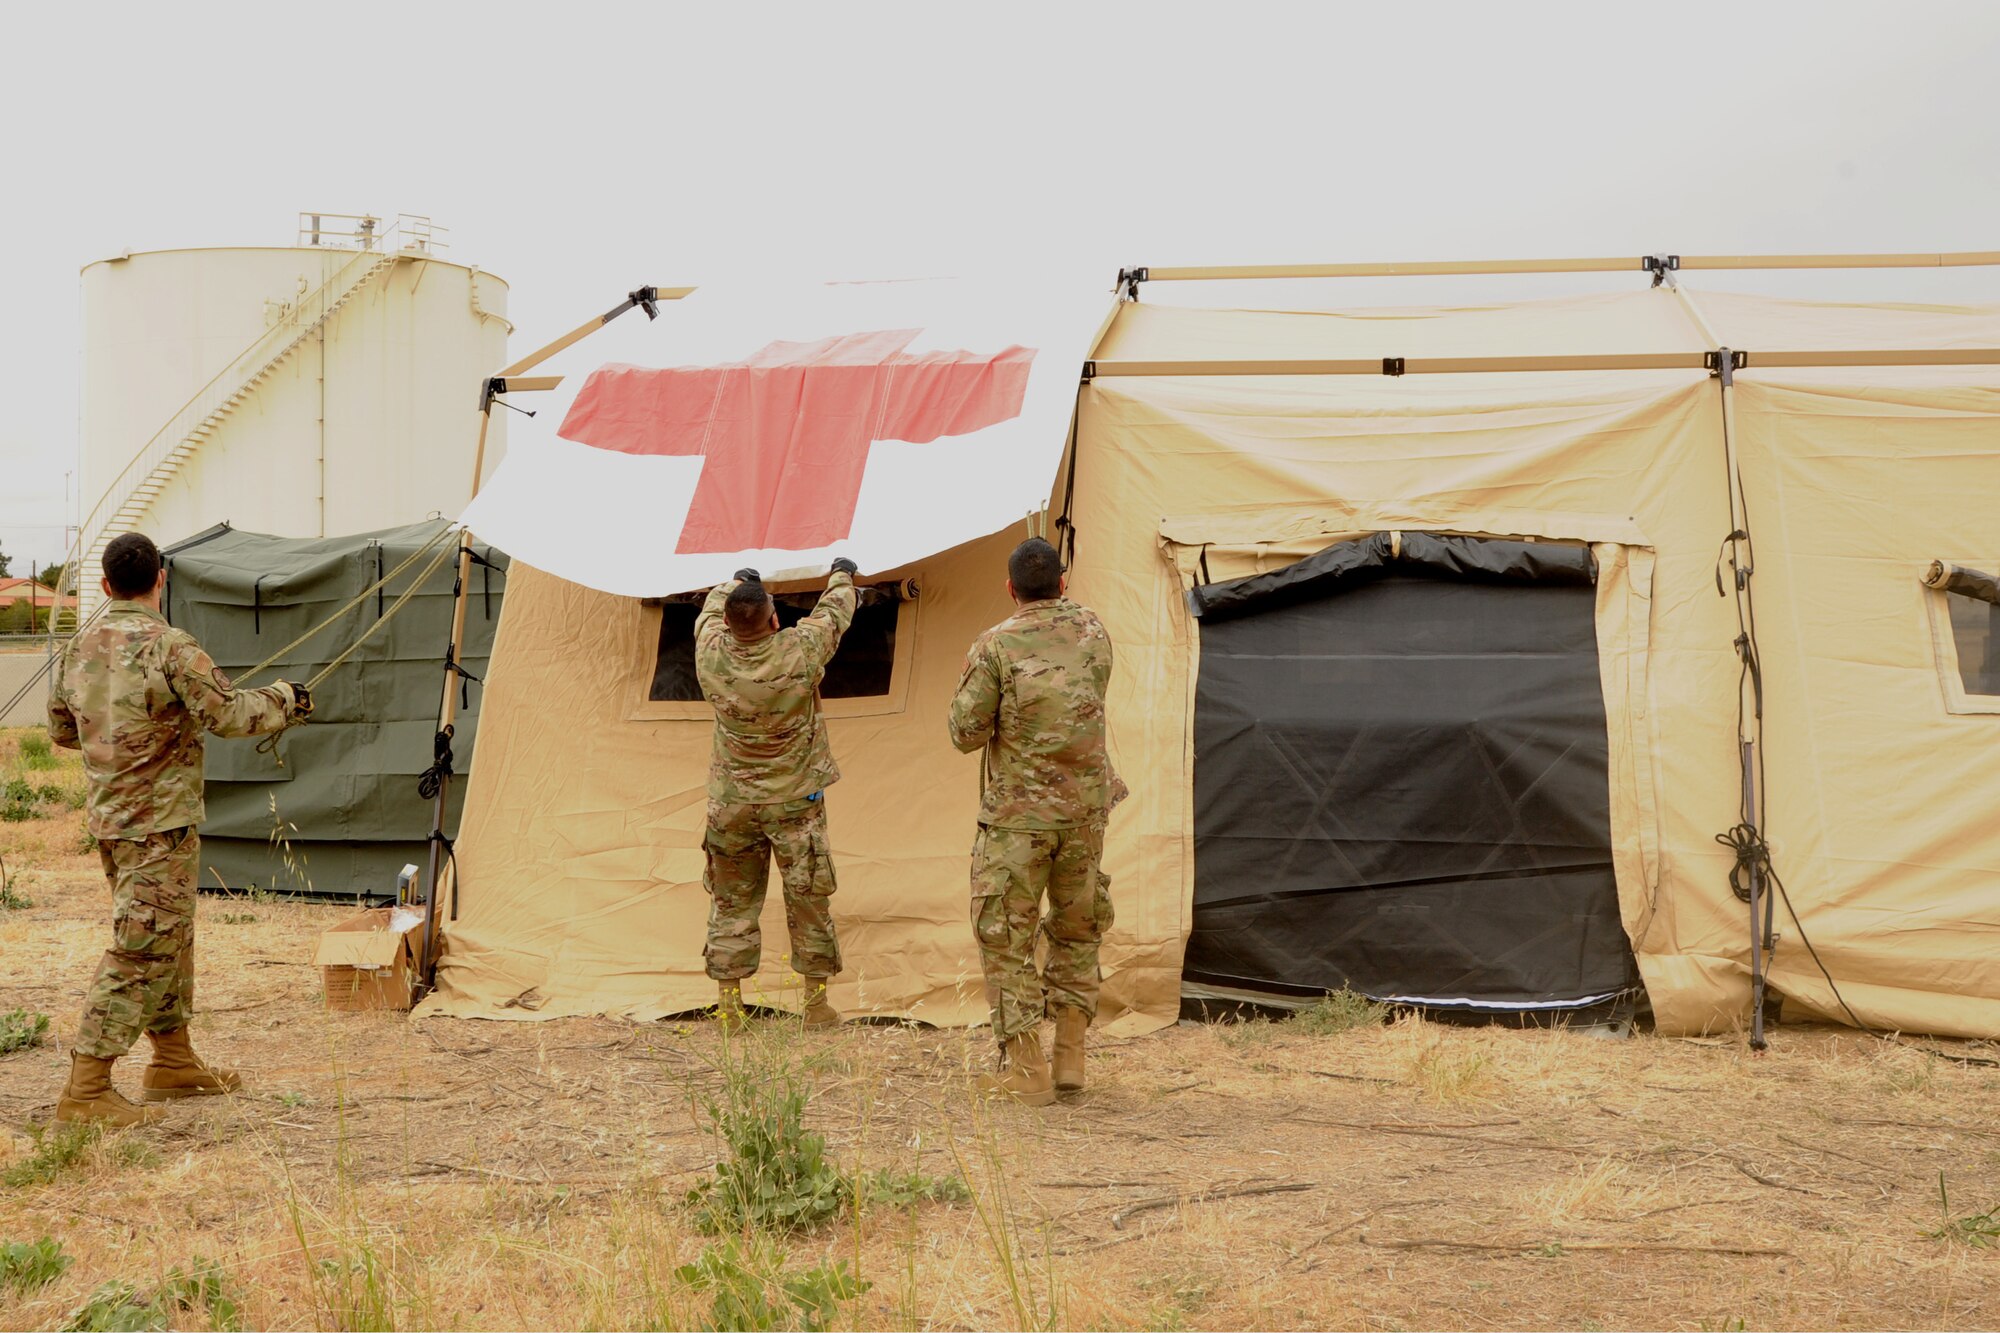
x,y
842,565
302,700
748,576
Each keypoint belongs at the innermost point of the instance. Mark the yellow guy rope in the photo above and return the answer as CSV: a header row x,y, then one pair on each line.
x,y
395,606
269,745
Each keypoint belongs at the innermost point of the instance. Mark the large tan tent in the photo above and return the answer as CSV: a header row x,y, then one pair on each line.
x,y
1878,744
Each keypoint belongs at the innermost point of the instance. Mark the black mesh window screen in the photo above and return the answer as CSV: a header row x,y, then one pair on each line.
x,y
862,668
1400,778
1975,629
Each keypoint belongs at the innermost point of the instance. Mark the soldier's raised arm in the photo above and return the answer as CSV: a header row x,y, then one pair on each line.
x,y
976,705
831,615
710,622
218,706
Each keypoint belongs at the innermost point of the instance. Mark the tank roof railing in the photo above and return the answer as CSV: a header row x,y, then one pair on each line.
x,y
408,232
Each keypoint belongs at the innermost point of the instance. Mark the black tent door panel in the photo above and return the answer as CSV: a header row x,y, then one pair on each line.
x,y
1401,782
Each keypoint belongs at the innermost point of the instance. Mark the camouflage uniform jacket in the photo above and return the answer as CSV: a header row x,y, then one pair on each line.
x,y
1033,695
770,740
135,694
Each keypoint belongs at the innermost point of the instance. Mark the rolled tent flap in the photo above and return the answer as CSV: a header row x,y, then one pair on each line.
x,y
1468,559
1974,583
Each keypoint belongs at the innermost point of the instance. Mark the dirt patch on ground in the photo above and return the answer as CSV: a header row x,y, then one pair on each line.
x,y
379,1173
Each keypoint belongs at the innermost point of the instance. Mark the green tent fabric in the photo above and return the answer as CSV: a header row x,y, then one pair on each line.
x,y
345,793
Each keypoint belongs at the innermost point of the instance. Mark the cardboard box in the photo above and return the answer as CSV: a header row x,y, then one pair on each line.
x,y
369,961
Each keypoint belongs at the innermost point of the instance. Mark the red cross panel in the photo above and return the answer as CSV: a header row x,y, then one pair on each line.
x,y
784,434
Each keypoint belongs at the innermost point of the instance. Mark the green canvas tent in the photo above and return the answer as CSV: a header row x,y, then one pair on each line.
x,y
342,789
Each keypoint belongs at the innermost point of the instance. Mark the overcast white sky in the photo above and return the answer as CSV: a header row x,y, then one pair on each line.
x,y
581,149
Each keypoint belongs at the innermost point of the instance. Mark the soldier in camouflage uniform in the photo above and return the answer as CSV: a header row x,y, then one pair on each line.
x,y
135,695
1032,696
770,767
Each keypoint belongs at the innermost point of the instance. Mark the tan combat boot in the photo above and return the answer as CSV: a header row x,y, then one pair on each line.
x,y
1024,1072
176,1071
89,1098
820,1012
1071,1023
729,1003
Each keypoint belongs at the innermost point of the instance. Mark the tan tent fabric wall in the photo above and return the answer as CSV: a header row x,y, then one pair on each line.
x,y
581,854
1881,802
1773,323
581,851
1632,462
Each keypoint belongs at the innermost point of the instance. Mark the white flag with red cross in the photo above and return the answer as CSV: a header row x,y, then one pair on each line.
x,y
779,429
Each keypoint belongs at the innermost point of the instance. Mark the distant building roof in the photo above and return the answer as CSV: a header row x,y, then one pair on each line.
x,y
21,590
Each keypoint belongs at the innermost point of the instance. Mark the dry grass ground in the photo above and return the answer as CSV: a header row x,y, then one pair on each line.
x,y
379,1173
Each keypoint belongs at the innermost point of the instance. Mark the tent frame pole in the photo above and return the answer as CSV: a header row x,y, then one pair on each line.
x,y
492,389
1653,264
1616,361
1749,702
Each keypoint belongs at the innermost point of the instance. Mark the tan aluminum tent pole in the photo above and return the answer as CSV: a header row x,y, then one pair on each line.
x,y
507,381
1615,264
1632,264
1464,365
1949,259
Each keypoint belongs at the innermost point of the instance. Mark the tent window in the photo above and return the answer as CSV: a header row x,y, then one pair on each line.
x,y
1967,634
863,668
1975,633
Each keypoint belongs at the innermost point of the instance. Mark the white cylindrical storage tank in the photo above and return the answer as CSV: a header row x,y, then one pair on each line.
x,y
303,391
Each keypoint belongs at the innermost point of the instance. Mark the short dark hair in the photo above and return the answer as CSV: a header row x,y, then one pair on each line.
x,y
1035,570
748,608
132,564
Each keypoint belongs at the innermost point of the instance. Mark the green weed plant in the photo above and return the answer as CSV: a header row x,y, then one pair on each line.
x,y
120,1307
36,754
29,1266
777,1176
749,1287
358,1290
21,1030
68,1148
1336,1012
116,1307
907,1189
1979,1230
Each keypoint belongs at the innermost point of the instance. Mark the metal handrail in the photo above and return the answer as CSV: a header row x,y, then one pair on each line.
x,y
419,231
262,349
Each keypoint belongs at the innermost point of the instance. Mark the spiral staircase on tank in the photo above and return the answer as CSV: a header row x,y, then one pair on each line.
x,y
125,502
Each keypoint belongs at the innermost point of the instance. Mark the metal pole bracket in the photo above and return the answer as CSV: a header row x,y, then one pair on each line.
x,y
1723,363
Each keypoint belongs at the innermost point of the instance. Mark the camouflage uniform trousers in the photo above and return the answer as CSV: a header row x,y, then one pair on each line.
x,y
740,842
1011,871
146,981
